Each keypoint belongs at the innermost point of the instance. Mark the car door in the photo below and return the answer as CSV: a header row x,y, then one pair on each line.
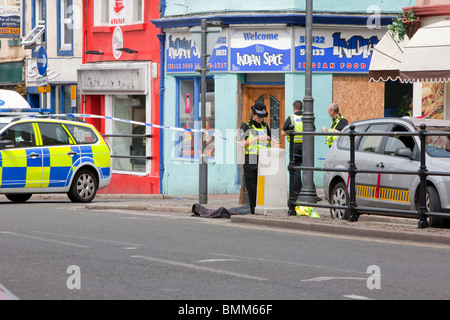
x,y
394,190
367,154
59,153
21,160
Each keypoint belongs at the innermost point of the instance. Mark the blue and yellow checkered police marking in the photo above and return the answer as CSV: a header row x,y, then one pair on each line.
x,y
50,166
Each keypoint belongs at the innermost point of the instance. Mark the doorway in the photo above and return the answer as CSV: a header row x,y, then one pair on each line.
x,y
273,98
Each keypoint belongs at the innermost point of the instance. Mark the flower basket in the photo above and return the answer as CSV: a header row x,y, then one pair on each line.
x,y
405,24
412,28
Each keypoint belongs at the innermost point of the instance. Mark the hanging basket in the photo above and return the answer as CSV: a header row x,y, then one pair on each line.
x,y
412,28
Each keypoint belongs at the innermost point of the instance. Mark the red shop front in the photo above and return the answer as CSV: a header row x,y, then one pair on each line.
x,y
119,80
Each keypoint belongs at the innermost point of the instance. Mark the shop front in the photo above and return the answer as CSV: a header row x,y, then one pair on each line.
x,y
258,63
122,91
420,61
119,83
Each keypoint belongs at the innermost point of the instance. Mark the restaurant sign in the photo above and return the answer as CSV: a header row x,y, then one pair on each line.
x,y
253,50
335,51
183,56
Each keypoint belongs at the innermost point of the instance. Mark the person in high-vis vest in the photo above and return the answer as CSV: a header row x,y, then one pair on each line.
x,y
296,119
338,123
254,135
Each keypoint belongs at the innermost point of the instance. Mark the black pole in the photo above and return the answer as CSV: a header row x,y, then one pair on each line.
x,y
423,221
292,197
353,214
203,164
308,192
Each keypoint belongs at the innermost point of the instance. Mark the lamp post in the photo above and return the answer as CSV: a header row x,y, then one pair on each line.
x,y
206,47
308,192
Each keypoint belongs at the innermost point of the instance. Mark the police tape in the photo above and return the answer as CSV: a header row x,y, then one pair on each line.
x,y
157,126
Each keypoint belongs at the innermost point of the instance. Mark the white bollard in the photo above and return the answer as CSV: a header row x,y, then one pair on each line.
x,y
272,195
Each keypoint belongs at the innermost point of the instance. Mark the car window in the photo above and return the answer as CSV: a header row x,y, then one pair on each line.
x,y
393,143
53,134
343,142
21,135
82,134
372,143
438,146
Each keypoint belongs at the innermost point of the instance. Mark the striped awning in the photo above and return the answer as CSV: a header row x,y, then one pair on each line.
x,y
426,57
386,58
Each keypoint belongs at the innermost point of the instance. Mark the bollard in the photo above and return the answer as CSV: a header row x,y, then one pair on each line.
x,y
272,192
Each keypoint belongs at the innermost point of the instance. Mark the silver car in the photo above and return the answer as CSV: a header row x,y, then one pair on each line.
x,y
391,153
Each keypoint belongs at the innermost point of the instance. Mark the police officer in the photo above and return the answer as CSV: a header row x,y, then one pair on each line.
x,y
254,135
296,119
338,123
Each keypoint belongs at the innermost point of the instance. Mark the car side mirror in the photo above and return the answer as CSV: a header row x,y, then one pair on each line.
x,y
404,152
6,143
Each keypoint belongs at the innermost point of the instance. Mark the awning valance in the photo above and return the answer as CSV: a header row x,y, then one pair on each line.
x,y
426,57
386,58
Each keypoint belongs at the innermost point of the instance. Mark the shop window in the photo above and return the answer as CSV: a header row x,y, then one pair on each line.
x,y
398,99
188,144
65,27
129,140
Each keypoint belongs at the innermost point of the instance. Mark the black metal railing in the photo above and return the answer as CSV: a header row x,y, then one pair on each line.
x,y
352,170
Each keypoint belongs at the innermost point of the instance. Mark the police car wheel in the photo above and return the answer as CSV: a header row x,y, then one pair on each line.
x,y
84,187
19,197
339,197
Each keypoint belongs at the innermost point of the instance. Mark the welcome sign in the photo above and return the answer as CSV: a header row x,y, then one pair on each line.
x,y
253,50
261,50
335,51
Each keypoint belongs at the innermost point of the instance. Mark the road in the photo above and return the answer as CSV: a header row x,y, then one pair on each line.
x,y
61,251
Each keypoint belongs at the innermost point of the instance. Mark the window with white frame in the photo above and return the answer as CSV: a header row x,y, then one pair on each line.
x,y
138,11
113,13
65,27
39,12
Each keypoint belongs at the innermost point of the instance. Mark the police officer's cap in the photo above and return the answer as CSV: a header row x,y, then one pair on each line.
x,y
260,110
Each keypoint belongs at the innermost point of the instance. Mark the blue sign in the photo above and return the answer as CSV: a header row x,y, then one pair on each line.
x,y
267,50
337,51
183,56
42,61
10,22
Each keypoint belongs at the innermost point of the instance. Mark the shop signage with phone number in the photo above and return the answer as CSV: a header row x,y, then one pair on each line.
x,y
241,50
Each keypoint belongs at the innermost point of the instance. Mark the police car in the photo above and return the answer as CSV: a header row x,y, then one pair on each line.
x,y
50,155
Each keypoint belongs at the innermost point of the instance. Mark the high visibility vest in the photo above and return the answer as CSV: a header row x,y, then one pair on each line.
x,y
297,122
330,139
253,133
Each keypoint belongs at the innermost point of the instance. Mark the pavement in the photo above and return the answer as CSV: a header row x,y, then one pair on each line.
x,y
368,226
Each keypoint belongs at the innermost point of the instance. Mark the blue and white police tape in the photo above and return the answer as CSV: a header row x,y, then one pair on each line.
x,y
74,115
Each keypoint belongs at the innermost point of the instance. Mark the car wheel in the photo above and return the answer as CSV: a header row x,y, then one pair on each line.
x,y
84,187
340,197
19,197
434,205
